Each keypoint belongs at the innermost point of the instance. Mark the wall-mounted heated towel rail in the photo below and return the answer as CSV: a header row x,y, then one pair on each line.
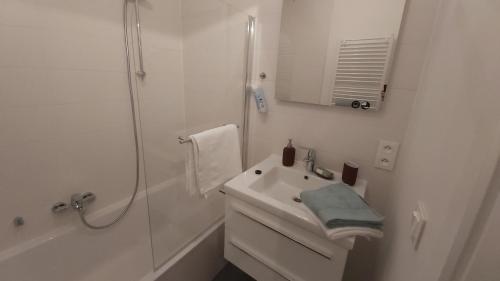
x,y
362,72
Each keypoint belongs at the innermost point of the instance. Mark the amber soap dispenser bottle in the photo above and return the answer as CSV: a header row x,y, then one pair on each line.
x,y
289,154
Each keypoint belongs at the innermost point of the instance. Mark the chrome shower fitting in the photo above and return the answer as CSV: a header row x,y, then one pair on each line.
x,y
141,73
80,200
310,158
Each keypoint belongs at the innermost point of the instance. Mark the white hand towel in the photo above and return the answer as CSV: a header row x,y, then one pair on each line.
x,y
191,185
215,159
346,232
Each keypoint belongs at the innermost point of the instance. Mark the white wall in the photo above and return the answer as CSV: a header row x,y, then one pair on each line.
x,y
340,134
214,34
65,118
480,257
451,146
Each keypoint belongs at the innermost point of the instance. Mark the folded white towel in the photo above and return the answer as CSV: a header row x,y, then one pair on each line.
x,y
345,232
214,157
191,185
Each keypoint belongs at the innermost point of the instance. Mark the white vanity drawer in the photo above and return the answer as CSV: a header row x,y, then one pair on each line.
x,y
255,268
285,258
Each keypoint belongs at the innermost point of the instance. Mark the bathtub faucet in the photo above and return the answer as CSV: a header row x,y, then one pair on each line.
x,y
80,200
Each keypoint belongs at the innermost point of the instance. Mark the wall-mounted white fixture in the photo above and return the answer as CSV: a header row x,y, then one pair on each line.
x,y
362,72
260,99
386,155
418,220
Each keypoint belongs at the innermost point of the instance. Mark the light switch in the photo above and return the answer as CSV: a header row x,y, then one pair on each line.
x,y
418,221
386,155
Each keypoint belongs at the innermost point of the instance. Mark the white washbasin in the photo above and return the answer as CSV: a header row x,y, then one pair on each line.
x,y
276,187
285,184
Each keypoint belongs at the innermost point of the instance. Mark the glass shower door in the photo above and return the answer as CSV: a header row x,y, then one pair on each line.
x,y
194,57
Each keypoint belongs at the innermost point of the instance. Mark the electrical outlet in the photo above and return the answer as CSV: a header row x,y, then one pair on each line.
x,y
418,221
386,155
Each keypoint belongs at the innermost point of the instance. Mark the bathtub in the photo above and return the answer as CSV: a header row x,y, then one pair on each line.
x,y
123,252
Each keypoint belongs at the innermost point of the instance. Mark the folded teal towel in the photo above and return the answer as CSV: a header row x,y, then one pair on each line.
x,y
337,205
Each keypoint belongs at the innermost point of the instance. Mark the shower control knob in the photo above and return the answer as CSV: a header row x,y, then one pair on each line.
x,y
365,105
59,207
81,200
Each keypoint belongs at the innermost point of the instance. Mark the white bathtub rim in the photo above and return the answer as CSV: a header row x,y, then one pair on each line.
x,y
28,245
165,267
63,230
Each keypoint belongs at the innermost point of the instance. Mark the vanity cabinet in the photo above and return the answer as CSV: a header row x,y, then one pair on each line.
x,y
270,234
270,248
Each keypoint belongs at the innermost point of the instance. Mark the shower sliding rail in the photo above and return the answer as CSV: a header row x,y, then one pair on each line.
x,y
141,73
79,201
249,52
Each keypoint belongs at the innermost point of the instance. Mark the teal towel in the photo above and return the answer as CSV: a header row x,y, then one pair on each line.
x,y
337,205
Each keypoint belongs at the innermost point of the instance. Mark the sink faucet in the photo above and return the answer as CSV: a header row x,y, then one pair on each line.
x,y
310,159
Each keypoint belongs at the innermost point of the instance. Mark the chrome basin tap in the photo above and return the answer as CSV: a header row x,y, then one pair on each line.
x,y
310,159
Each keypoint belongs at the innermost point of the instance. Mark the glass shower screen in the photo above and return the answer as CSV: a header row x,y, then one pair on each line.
x,y
194,54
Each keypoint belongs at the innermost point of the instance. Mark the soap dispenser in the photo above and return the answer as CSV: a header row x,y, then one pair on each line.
x,y
289,154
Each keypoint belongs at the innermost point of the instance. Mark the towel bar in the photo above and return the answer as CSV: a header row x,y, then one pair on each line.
x,y
183,140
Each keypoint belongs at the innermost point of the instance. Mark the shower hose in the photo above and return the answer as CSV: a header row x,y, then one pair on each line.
x,y
81,211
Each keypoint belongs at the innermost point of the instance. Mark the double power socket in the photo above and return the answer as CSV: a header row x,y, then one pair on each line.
x,y
387,153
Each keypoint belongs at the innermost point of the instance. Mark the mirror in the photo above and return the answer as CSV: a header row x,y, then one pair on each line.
x,y
337,52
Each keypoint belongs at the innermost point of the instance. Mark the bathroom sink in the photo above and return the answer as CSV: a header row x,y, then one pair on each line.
x,y
276,189
285,184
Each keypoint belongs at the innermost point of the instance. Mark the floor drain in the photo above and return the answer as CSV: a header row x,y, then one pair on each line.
x,y
297,199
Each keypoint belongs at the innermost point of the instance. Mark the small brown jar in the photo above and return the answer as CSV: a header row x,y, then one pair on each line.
x,y
350,173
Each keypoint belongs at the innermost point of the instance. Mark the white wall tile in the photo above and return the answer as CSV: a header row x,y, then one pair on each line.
x,y
407,66
267,62
161,32
417,21
31,87
35,48
90,15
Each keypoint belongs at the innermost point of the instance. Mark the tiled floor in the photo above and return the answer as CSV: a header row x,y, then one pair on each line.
x,y
232,273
